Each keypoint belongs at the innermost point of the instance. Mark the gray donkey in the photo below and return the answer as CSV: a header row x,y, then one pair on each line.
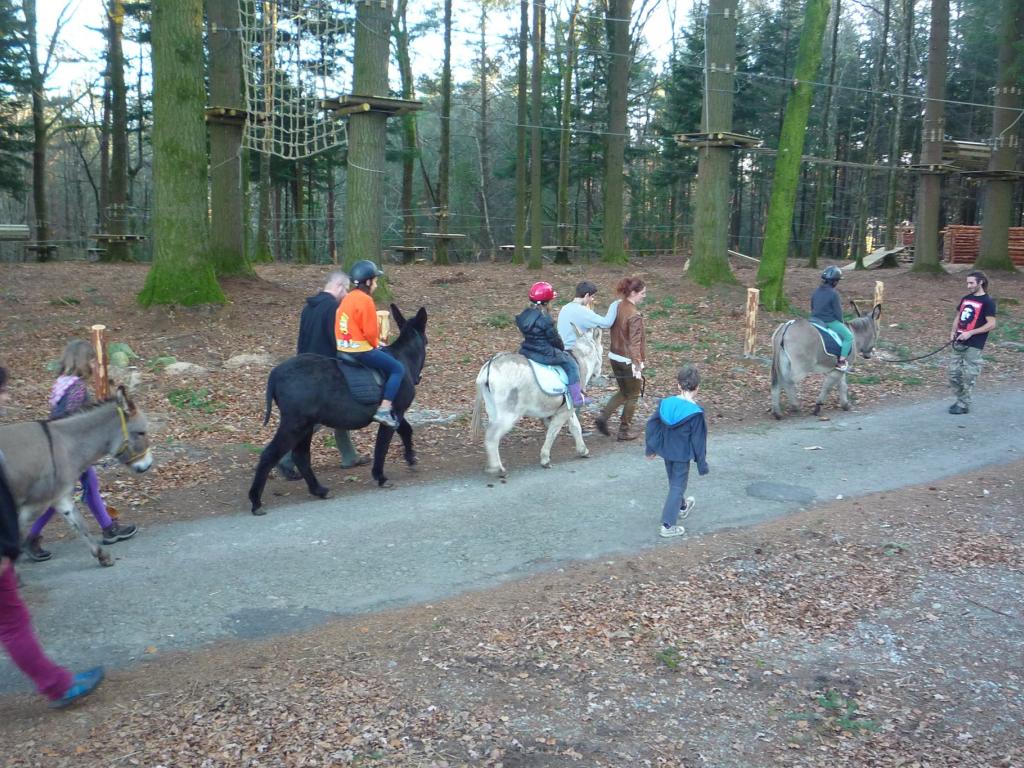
x,y
43,460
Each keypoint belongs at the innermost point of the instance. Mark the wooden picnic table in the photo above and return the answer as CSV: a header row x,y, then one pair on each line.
x,y
104,237
408,252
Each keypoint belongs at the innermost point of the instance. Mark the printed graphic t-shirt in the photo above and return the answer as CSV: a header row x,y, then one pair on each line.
x,y
974,312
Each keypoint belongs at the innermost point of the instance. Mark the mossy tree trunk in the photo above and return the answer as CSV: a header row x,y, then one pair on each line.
x,y
823,174
519,255
565,138
772,270
408,123
896,125
536,141
444,164
264,252
181,272
998,205
617,23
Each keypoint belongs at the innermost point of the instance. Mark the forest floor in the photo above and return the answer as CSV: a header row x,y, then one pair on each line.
x,y
876,631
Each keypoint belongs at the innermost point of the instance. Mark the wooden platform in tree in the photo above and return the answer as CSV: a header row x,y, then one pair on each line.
x,y
939,169
969,155
716,139
225,115
348,103
994,175
13,232
103,237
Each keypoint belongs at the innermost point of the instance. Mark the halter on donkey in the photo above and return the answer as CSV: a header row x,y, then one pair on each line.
x,y
311,390
797,351
507,387
44,459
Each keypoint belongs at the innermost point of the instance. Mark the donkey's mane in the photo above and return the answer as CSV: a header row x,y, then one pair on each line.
x,y
87,408
861,322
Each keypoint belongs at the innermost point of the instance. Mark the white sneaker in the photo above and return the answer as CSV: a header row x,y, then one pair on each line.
x,y
668,533
687,508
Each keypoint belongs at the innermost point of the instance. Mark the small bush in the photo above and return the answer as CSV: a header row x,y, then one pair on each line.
x,y
500,320
187,399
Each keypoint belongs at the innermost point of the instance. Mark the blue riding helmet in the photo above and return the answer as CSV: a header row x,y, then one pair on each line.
x,y
832,274
364,271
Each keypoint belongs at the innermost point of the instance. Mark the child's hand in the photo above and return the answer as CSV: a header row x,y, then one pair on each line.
x,y
651,456
703,469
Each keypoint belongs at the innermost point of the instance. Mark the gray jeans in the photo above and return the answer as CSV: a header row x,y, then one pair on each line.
x,y
964,366
345,448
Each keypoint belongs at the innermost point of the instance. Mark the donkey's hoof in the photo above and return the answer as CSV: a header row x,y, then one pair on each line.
x,y
778,416
411,460
846,406
584,455
320,492
546,464
105,559
817,409
258,510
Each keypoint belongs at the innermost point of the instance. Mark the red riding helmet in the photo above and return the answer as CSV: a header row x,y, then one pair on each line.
x,y
542,292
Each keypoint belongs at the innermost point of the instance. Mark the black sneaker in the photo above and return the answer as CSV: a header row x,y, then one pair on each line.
x,y
956,409
116,532
34,551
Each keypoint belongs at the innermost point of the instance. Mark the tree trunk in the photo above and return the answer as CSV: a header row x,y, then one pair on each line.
x,y
117,201
772,270
227,193
519,256
181,271
998,205
929,194
408,127
264,252
710,261
484,141
104,142
823,172
896,128
565,138
364,189
300,232
39,133
619,59
536,142
444,166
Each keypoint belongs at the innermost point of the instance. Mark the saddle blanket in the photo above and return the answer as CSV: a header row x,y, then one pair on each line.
x,y
365,384
829,339
552,379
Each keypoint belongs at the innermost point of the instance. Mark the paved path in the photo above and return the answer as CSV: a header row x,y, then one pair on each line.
x,y
182,585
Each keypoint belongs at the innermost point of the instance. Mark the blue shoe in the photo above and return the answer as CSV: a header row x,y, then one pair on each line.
x,y
385,417
82,684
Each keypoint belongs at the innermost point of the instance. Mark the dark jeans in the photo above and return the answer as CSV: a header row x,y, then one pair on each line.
x,y
385,363
345,448
626,397
678,474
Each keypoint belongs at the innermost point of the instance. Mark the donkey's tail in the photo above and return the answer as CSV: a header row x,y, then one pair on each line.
x,y
270,398
483,384
777,350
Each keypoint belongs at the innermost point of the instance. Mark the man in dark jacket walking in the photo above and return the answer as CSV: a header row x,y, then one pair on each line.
x,y
316,336
678,433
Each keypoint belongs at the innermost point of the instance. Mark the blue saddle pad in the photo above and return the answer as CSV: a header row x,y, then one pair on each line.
x,y
365,384
552,379
829,339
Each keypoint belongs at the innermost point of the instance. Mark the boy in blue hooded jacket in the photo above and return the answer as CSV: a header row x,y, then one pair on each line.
x,y
678,433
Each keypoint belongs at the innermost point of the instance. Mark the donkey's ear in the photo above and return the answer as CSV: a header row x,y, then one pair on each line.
x,y
123,401
855,307
576,329
420,321
399,317
596,333
876,312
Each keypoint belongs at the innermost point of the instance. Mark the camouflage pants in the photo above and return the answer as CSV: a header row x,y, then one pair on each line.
x,y
964,367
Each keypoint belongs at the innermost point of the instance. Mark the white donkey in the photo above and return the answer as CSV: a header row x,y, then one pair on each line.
x,y
506,385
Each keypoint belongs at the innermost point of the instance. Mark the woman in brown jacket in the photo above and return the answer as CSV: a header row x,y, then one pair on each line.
x,y
627,355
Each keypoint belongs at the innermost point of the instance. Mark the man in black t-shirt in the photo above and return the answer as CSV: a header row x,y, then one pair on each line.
x,y
975,317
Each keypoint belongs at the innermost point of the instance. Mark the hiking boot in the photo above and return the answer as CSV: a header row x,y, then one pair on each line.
x,y
82,684
601,424
956,409
361,460
671,531
843,365
688,504
116,532
289,471
34,551
626,433
386,417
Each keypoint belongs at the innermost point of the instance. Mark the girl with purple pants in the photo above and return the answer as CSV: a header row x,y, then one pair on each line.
x,y
70,394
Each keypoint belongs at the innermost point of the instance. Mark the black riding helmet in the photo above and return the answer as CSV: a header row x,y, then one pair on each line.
x,y
832,274
364,271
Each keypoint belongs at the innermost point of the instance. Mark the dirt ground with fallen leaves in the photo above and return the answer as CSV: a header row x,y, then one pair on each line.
x,y
884,631
208,429
880,631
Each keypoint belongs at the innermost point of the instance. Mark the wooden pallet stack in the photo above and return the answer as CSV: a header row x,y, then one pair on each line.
x,y
961,243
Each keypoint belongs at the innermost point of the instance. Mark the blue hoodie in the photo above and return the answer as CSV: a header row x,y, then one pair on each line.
x,y
677,432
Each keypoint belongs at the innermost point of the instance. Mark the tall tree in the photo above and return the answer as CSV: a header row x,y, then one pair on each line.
x,y
408,122
617,22
565,136
998,210
444,166
929,191
227,191
828,129
710,262
536,140
181,272
772,270
367,133
519,256
896,125
116,214
264,252
15,89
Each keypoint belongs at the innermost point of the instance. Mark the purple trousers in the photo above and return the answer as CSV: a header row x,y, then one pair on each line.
x,y
20,641
91,494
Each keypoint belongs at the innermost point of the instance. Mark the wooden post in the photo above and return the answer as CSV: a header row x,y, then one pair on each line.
x,y
383,325
879,293
753,297
100,375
